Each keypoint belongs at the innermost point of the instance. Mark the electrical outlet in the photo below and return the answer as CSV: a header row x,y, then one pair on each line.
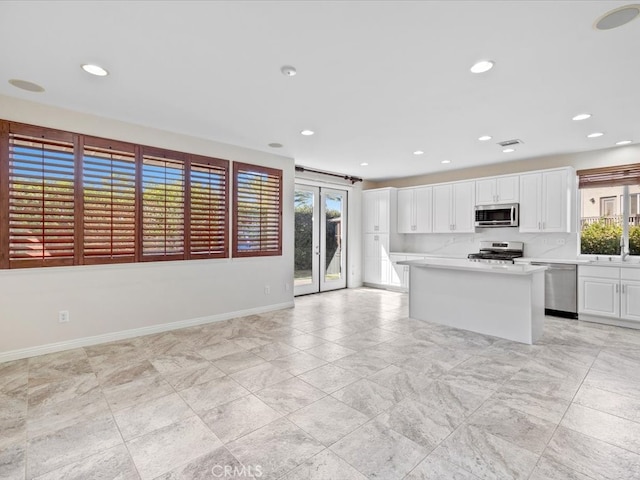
x,y
287,286
267,290
560,241
63,316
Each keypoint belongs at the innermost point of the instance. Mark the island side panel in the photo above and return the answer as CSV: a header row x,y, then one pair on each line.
x,y
503,305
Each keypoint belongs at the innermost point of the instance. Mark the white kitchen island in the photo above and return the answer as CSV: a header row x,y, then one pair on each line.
x,y
505,301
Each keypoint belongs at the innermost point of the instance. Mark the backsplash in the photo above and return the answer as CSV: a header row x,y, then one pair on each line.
x,y
536,245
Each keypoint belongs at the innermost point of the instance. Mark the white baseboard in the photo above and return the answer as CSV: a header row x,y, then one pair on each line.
x,y
136,332
617,322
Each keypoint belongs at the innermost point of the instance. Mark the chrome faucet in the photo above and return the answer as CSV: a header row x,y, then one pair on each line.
x,y
624,253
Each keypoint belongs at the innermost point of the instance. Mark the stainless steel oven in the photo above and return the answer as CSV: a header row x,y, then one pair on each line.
x,y
505,215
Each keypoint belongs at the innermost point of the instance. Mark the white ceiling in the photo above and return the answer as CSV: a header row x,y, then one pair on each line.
x,y
376,79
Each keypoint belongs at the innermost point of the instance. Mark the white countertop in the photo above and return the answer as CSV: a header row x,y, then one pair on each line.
x,y
464,264
634,263
567,261
428,255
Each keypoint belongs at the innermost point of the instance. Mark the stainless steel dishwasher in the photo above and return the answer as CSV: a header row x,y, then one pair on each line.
x,y
560,289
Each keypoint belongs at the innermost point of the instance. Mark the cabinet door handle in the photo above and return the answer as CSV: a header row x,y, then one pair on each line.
x,y
376,228
539,226
617,288
623,288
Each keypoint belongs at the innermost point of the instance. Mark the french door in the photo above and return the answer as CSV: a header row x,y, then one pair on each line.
x,y
320,239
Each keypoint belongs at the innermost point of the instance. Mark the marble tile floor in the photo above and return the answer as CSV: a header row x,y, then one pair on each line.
x,y
343,386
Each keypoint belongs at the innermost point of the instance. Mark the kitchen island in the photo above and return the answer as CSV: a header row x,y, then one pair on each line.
x,y
505,301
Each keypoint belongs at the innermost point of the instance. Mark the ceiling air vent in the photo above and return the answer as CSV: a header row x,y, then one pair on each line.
x,y
510,143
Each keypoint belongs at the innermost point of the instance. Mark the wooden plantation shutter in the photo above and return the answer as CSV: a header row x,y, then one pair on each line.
x,y
609,176
163,204
109,183
209,189
41,197
257,211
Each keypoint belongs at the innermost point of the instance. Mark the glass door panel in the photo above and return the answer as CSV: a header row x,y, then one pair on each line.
x,y
307,248
332,239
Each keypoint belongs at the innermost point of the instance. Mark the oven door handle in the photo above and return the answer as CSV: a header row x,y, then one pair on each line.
x,y
513,215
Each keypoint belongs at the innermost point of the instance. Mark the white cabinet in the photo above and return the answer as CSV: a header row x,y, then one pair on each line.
x,y
414,210
399,273
376,259
380,234
453,207
599,296
494,190
376,209
630,294
545,201
609,292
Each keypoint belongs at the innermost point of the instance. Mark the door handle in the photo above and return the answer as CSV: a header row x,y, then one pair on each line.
x,y
317,250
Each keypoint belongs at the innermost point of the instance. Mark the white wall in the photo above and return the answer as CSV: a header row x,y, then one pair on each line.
x,y
107,299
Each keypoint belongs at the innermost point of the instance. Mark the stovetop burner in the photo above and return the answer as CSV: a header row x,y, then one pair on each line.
x,y
498,252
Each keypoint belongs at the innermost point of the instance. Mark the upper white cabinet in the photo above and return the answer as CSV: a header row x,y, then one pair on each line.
x,y
376,209
545,201
494,190
414,210
453,207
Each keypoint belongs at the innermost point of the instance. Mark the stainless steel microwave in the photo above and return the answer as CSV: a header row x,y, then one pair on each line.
x,y
505,215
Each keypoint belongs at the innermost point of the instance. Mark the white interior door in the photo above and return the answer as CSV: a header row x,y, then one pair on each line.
x,y
320,239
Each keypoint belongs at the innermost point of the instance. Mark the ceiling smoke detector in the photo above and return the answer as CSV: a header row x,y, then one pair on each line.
x,y
289,71
617,17
510,143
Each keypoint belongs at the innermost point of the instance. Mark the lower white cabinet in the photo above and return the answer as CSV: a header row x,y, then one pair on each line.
x,y
399,277
376,259
630,302
609,292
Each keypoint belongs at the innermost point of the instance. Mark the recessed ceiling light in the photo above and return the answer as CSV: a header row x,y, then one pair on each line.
x,y
28,86
307,133
275,145
617,17
482,66
509,150
364,164
445,161
595,135
289,71
96,70
582,116
418,152
623,142
484,138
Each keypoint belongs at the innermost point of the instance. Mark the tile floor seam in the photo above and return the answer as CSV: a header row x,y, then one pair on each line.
x,y
124,443
564,414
